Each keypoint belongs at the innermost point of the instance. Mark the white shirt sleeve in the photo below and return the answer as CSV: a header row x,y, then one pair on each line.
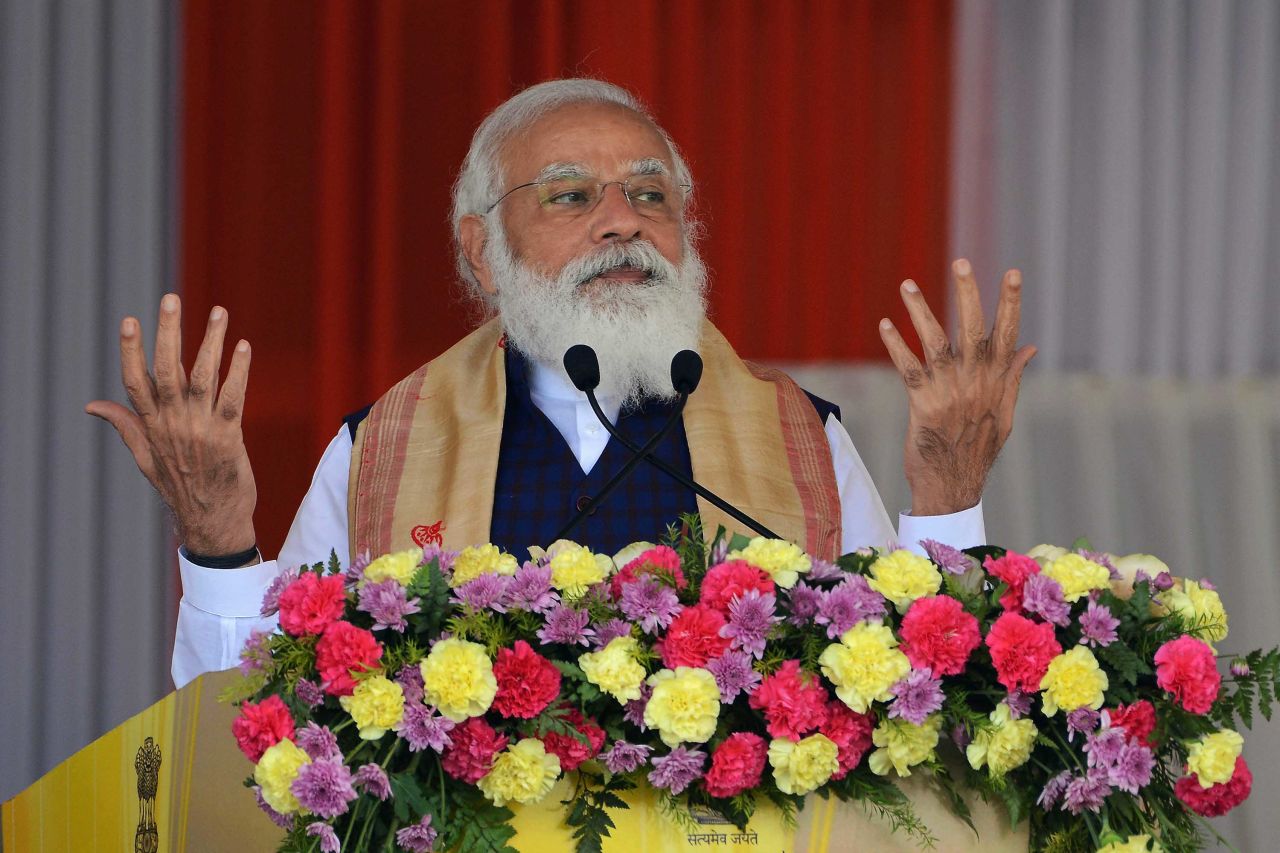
x,y
863,519
220,607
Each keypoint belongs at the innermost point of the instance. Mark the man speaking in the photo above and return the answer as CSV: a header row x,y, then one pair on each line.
x,y
573,225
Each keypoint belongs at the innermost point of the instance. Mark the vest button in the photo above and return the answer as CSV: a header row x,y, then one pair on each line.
x,y
582,502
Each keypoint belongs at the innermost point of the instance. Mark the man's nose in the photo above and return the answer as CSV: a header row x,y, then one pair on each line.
x,y
614,219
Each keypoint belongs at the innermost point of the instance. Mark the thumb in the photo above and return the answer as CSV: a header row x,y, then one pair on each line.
x,y
129,426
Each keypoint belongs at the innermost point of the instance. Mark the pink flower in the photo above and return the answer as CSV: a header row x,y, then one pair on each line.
x,y
573,752
659,560
262,726
1186,669
1216,800
474,744
736,765
1013,569
1138,721
311,603
693,638
1021,651
730,579
527,682
342,648
938,634
794,702
851,733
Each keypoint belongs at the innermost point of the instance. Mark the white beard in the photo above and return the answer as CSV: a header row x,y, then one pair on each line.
x,y
634,327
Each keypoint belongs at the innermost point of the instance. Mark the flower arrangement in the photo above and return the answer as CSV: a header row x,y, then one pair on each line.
x,y
409,701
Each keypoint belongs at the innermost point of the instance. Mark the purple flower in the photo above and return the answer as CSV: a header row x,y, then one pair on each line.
x,y
847,604
1132,768
530,589
324,787
1042,595
1053,790
821,570
1097,625
256,653
803,600
418,838
387,603
650,603
1205,583
1019,704
373,779
271,598
410,680
328,838
432,551
719,553
1240,669
487,591
625,757
1082,720
1104,747
733,674
751,616
1086,792
916,696
280,820
318,742
1102,559
1163,581
952,560
308,692
422,727
676,770
568,626
355,572
633,711
611,630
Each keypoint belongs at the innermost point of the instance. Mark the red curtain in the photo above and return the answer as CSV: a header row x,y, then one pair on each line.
x,y
320,140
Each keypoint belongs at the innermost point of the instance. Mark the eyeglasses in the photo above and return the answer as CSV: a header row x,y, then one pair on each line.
x,y
654,196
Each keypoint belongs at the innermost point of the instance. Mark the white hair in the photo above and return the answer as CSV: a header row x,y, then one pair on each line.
x,y
480,181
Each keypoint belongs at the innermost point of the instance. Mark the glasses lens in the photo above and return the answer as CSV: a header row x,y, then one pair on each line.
x,y
569,196
654,196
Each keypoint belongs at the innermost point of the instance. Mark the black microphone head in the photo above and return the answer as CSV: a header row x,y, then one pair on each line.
x,y
686,371
583,367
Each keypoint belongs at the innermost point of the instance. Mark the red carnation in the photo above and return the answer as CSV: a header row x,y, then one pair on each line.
x,y
572,751
1013,569
473,746
938,634
1216,800
1021,651
1138,721
730,579
736,765
793,702
342,648
262,726
693,638
527,682
311,603
850,731
659,560
1186,668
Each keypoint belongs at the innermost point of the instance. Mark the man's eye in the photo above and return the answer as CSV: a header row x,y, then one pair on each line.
x,y
649,197
568,197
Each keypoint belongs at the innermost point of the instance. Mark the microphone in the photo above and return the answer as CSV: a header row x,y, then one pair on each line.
x,y
583,367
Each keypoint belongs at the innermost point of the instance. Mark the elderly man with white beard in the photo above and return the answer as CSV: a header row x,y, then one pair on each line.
x,y
572,225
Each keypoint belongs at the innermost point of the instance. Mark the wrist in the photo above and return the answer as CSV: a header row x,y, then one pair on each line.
x,y
924,503
237,560
219,542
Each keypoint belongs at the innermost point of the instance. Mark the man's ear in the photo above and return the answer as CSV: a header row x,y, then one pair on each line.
x,y
473,235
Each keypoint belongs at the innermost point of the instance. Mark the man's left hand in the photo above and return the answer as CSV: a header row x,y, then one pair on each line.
x,y
961,399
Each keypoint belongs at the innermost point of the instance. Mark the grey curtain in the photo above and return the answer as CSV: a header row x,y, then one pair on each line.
x,y
87,586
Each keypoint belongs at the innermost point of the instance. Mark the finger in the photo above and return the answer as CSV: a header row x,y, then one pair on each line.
x,y
203,384
933,339
133,369
171,381
1019,363
904,359
231,400
973,343
1004,337
130,428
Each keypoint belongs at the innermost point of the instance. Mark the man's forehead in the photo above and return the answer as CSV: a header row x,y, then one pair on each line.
x,y
595,139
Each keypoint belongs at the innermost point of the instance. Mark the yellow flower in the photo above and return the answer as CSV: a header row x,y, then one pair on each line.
x,y
1073,680
1200,608
684,706
902,577
1133,844
522,773
457,677
476,560
1004,746
801,767
1213,757
903,745
782,561
399,567
276,771
376,704
574,568
1078,576
864,665
1046,554
614,669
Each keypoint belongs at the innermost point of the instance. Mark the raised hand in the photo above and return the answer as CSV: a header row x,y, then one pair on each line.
x,y
961,400
185,433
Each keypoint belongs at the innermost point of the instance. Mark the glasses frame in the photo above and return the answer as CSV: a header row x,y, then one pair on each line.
x,y
687,189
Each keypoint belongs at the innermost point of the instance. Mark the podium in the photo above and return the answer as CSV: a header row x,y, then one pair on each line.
x,y
171,779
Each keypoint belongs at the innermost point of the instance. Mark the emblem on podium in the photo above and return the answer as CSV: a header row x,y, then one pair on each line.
x,y
147,764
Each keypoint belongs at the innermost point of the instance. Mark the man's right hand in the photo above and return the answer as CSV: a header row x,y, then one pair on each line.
x,y
185,433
